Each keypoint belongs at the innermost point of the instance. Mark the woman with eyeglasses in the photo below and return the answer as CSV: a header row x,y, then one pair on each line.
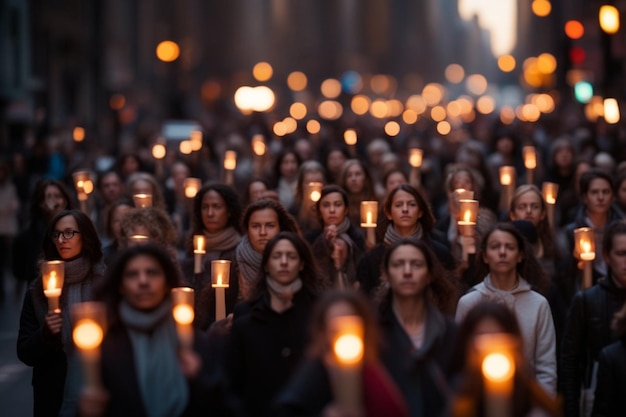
x,y
44,339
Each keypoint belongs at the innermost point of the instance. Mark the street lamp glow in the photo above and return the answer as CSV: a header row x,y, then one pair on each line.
x,y
609,19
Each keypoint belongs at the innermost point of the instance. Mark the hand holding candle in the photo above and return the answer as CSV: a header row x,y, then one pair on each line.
x,y
182,310
89,321
585,250
52,276
198,252
369,214
220,277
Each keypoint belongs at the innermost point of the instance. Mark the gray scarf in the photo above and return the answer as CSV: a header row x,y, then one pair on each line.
x,y
223,240
392,236
154,340
283,291
249,263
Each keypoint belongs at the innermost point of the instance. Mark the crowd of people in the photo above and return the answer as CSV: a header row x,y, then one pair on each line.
x,y
298,262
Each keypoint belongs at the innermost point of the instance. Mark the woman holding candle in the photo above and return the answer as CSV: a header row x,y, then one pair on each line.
x,y
216,217
357,181
44,340
145,370
303,206
339,245
526,396
409,216
268,335
144,183
262,220
312,391
512,276
419,335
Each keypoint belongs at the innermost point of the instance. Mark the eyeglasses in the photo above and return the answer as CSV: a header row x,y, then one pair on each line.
x,y
67,234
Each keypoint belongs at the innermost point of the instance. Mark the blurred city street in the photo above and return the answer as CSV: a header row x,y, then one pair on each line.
x,y
15,389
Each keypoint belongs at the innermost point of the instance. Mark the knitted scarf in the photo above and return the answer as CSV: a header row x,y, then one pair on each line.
x,y
223,240
153,337
249,263
285,292
392,236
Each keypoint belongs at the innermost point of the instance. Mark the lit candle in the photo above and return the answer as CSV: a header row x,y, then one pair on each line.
x,y
466,223
416,156
137,239
198,252
346,362
498,369
89,320
52,276
530,162
369,213
258,148
192,185
314,191
550,191
195,137
183,313
350,137
142,200
507,180
84,187
230,163
220,277
158,153
584,246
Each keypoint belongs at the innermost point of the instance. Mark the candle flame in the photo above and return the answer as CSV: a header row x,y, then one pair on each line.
x,y
505,179
369,217
183,314
498,367
585,246
219,279
315,195
87,334
52,281
550,199
467,216
348,349
200,243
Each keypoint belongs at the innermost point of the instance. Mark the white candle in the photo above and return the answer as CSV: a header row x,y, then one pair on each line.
x,y
346,364
183,313
89,324
220,276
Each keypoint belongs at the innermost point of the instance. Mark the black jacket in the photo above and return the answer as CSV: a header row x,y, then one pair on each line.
x,y
422,375
610,398
587,331
265,348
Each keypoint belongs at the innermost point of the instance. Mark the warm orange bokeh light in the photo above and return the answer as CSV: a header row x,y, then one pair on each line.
x,y
574,29
541,8
506,63
168,51
297,81
262,71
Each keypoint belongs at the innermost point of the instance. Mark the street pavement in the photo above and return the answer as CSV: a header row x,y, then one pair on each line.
x,y
16,398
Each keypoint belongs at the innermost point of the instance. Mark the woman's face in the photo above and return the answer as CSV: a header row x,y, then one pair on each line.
x,y
563,157
284,263
502,254
54,201
393,180
621,194
289,166
355,179
214,212
71,247
143,285
256,190
529,207
116,221
462,180
333,209
141,187
407,273
262,226
405,211
335,161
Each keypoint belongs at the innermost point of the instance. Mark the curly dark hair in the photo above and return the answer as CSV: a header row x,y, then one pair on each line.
x,y
92,247
231,200
529,268
309,275
286,222
442,290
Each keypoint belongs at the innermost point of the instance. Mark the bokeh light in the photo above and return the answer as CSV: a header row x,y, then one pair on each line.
x,y
168,51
